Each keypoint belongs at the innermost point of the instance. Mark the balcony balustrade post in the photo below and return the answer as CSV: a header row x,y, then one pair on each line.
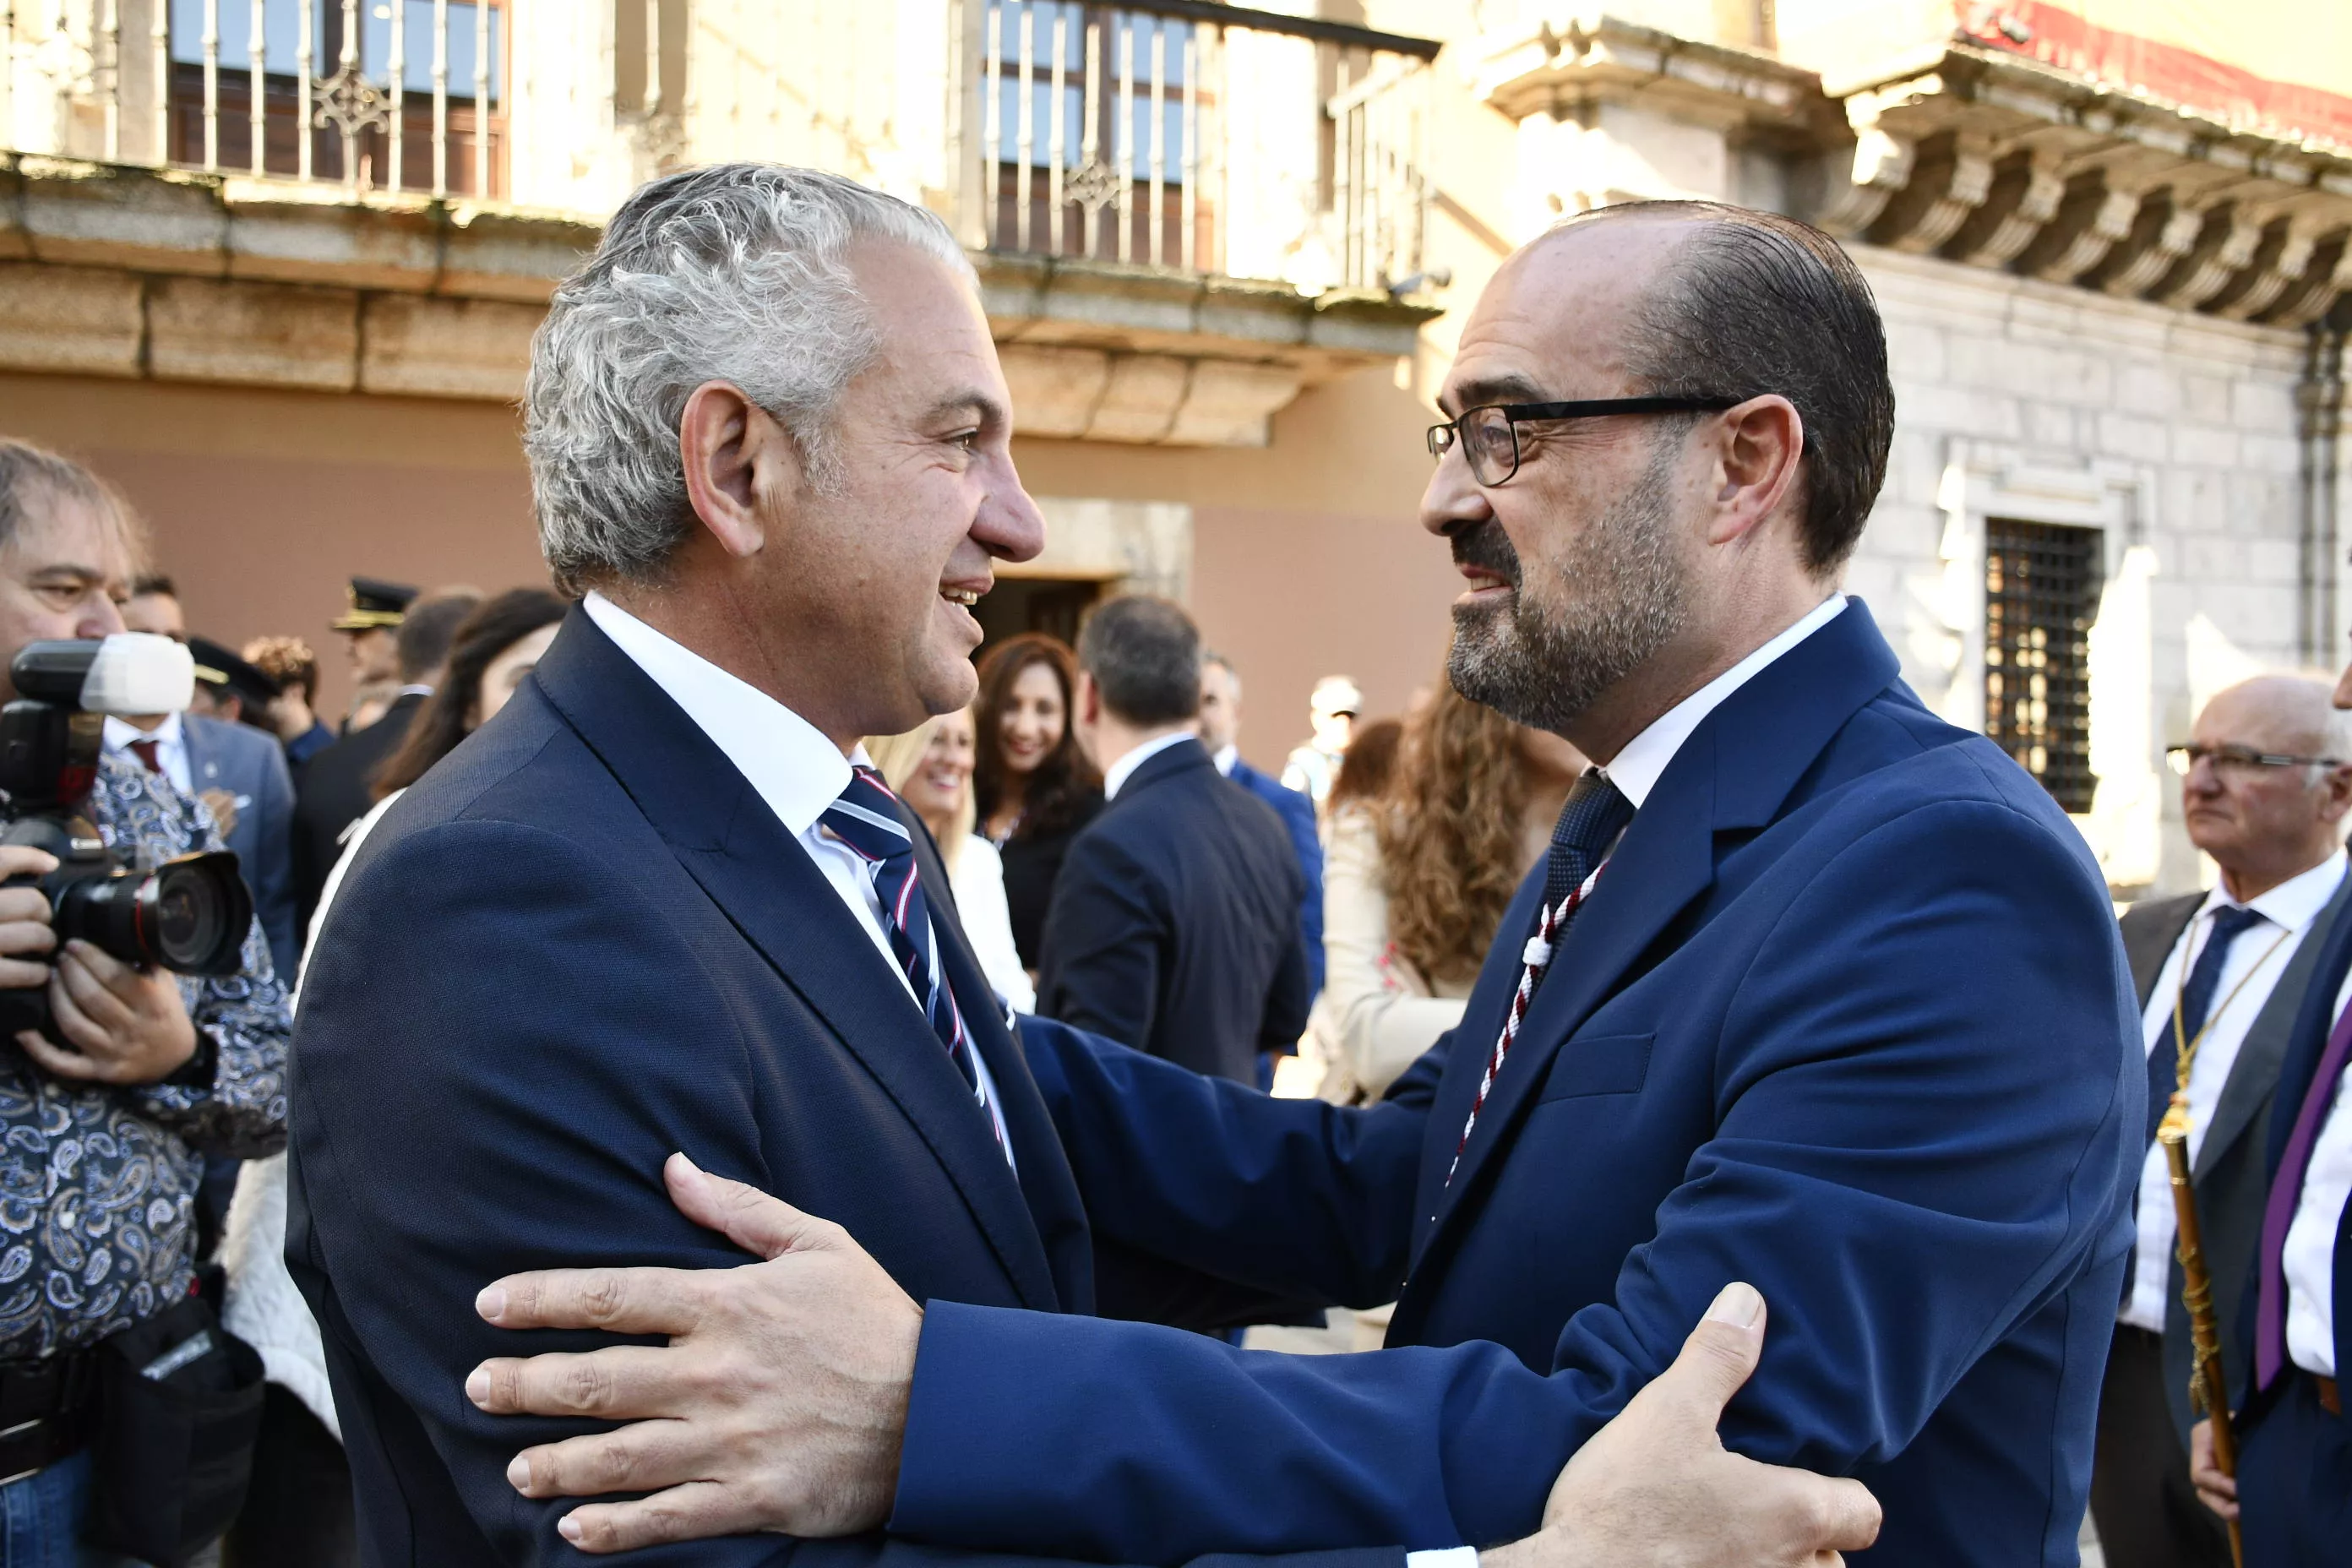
x,y
212,80
256,54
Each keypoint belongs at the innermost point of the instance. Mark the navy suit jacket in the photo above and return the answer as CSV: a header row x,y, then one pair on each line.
x,y
250,764
1847,1017
2304,1046
580,942
1297,813
1174,927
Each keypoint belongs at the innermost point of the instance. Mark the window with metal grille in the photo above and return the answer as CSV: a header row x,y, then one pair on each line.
x,y
2041,594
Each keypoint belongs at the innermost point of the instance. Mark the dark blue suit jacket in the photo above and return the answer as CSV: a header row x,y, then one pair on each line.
x,y
250,764
2304,1046
1297,813
1847,1017
580,942
1174,927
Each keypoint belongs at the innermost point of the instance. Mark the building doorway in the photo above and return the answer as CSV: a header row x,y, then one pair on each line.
x,y
1054,605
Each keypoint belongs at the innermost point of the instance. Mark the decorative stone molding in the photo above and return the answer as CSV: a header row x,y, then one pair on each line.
x,y
1972,154
107,270
1096,352
1996,160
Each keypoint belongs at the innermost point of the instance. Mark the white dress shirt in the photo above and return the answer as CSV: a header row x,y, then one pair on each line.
x,y
2249,975
1120,771
171,738
977,879
2311,1238
1636,769
791,766
1226,757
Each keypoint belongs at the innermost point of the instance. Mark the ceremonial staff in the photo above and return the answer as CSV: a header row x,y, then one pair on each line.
x,y
2209,1388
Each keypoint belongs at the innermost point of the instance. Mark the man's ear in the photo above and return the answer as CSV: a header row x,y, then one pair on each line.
x,y
1088,700
733,453
1762,446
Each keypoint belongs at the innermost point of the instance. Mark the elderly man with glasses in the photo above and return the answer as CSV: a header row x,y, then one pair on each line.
x,y
2220,975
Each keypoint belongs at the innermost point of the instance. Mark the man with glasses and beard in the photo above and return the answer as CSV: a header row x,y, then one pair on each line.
x,y
1813,991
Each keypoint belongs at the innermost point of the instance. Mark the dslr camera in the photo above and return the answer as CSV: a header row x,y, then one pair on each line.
x,y
189,915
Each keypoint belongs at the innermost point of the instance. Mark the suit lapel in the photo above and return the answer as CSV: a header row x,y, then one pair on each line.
x,y
2254,1076
1734,772
2148,939
1044,1174
728,841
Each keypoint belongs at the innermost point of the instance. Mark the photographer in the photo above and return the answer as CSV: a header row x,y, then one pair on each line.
x,y
101,1144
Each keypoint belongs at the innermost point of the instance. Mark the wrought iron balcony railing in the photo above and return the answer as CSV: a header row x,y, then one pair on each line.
x,y
1197,137
1173,135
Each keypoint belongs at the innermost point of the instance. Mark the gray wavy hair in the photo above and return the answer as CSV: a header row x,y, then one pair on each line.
x,y
734,273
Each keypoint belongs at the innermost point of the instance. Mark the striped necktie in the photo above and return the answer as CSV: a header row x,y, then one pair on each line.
x,y
1596,813
865,817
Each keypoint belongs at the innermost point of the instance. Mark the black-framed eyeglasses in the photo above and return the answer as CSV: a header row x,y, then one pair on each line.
x,y
2244,759
1489,435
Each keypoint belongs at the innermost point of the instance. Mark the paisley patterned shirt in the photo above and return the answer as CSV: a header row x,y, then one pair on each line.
x,y
98,1184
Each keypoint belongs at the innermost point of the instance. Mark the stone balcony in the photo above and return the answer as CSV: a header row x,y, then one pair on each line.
x,y
174,276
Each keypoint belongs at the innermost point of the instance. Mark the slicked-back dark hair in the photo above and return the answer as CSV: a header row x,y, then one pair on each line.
x,y
1757,304
1145,653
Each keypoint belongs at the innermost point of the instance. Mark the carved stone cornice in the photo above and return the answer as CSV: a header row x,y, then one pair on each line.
x,y
1995,161
1982,157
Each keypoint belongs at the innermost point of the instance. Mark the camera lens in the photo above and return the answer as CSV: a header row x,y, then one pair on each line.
x,y
189,915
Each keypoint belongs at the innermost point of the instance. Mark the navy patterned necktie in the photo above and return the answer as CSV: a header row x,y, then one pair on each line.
x,y
865,817
1596,813
2229,922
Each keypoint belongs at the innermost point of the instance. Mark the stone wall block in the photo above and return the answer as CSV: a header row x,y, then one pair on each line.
x,y
428,347
2146,389
512,256
2262,406
1959,412
2050,425
1141,398
69,321
2204,446
274,237
102,216
2123,435
2272,454
265,334
1055,389
1915,350
1230,404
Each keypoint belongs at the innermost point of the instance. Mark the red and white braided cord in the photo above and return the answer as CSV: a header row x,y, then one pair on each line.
x,y
1532,964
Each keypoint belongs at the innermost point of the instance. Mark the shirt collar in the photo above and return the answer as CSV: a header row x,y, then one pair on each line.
x,y
2294,903
1225,757
120,732
787,759
1120,771
1636,770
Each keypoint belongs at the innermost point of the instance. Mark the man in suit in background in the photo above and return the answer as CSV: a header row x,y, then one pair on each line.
x,y
2292,1491
1174,927
239,774
2225,971
1812,989
1221,728
337,786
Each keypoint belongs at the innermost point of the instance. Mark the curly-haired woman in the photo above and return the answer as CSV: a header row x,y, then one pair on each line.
x,y
1415,881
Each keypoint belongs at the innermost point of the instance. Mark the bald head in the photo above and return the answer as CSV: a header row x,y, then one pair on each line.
x,y
2262,824
1700,299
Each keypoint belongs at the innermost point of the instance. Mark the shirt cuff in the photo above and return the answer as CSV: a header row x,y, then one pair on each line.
x,y
1443,1557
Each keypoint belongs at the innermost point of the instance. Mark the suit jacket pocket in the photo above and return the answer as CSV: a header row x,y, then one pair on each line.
x,y
1598,1064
